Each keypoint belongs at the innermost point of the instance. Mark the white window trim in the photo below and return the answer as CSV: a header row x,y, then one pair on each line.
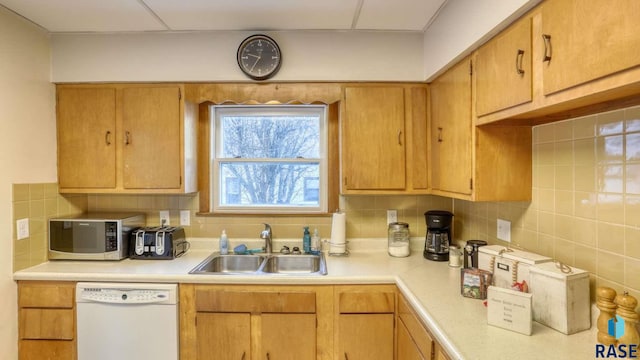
x,y
215,149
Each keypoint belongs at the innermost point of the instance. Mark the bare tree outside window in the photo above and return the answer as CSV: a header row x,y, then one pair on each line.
x,y
266,156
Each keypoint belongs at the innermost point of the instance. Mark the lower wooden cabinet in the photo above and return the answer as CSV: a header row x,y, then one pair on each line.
x,y
255,322
413,339
46,327
365,322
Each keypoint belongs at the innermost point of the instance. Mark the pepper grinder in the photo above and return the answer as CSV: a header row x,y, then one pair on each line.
x,y
604,301
627,311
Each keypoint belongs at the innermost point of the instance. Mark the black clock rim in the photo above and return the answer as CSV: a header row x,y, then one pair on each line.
x,y
243,45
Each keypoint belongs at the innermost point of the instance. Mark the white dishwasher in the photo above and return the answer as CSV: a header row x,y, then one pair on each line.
x,y
127,321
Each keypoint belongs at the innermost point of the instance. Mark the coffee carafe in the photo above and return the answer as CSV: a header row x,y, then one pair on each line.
x,y
436,244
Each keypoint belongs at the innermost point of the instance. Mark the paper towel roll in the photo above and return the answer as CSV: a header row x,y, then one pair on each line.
x,y
338,240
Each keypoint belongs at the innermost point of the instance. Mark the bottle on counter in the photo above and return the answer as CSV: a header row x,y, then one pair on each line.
x,y
306,241
224,243
315,242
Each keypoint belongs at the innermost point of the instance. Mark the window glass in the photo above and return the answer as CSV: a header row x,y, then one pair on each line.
x,y
269,159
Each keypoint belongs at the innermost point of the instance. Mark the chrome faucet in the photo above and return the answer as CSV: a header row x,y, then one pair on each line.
x,y
266,235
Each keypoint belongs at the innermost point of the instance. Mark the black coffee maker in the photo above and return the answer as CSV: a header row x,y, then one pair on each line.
x,y
436,244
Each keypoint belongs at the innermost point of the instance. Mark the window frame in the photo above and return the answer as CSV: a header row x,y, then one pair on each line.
x,y
215,143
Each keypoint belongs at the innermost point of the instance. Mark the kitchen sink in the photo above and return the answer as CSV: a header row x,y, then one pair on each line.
x,y
294,264
229,264
264,264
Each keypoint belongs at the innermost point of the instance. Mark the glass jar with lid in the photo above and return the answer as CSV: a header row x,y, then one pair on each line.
x,y
399,239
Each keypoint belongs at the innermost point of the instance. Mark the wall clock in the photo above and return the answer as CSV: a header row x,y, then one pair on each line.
x,y
259,57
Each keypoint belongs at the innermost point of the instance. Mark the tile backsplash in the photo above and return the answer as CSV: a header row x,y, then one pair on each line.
x,y
38,202
585,208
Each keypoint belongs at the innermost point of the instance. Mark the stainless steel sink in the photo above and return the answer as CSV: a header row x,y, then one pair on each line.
x,y
264,264
294,264
229,264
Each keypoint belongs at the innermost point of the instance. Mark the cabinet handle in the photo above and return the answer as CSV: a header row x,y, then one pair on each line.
x,y
519,58
107,138
547,47
243,355
439,134
346,357
268,357
399,137
127,139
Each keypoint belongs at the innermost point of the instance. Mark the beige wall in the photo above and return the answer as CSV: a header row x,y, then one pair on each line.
x,y
586,199
366,215
27,145
38,202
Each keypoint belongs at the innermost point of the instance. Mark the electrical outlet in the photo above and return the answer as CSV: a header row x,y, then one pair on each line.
x,y
165,218
392,216
185,217
22,227
504,230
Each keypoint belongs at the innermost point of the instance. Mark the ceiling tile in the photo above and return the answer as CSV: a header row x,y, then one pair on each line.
x,y
254,15
399,15
86,15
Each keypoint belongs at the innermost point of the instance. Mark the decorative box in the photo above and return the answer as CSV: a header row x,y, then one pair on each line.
x,y
474,283
508,265
561,297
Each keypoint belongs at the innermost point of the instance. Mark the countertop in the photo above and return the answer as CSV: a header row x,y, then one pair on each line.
x,y
432,288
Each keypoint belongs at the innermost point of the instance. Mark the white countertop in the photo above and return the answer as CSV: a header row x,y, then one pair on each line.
x,y
433,288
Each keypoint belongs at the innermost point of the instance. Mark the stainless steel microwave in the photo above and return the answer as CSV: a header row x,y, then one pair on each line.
x,y
92,236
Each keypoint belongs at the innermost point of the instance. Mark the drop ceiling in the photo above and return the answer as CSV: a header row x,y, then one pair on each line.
x,y
59,16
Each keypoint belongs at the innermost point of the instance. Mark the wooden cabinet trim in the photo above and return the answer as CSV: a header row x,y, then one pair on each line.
x,y
255,301
418,331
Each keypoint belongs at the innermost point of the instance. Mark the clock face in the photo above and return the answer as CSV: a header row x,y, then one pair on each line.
x,y
259,57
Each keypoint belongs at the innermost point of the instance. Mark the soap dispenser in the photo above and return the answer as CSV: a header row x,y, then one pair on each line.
x,y
224,243
306,241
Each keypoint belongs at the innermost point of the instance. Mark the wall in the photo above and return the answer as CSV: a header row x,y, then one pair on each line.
x,y
366,216
27,149
463,25
211,56
586,199
39,202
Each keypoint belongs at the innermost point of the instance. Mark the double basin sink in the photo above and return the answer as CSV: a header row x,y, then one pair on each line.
x,y
262,264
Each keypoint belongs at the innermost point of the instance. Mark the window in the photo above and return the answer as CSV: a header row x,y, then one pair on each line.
x,y
269,159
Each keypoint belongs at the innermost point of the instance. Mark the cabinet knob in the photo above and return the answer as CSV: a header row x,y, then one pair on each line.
x,y
439,134
107,138
127,138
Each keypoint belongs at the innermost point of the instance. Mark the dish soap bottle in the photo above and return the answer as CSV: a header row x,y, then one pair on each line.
x,y
315,242
224,243
306,241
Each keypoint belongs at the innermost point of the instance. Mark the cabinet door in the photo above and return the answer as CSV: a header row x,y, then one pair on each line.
x,y
288,336
451,130
365,337
588,40
152,138
86,137
407,349
503,70
46,350
373,138
223,336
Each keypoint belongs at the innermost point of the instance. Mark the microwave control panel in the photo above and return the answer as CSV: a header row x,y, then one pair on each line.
x,y
111,236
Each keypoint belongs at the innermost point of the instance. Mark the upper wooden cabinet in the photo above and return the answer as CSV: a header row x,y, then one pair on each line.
x,y
125,139
478,163
587,40
503,69
384,139
451,136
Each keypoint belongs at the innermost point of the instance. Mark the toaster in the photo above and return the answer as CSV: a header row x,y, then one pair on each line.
x,y
160,242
